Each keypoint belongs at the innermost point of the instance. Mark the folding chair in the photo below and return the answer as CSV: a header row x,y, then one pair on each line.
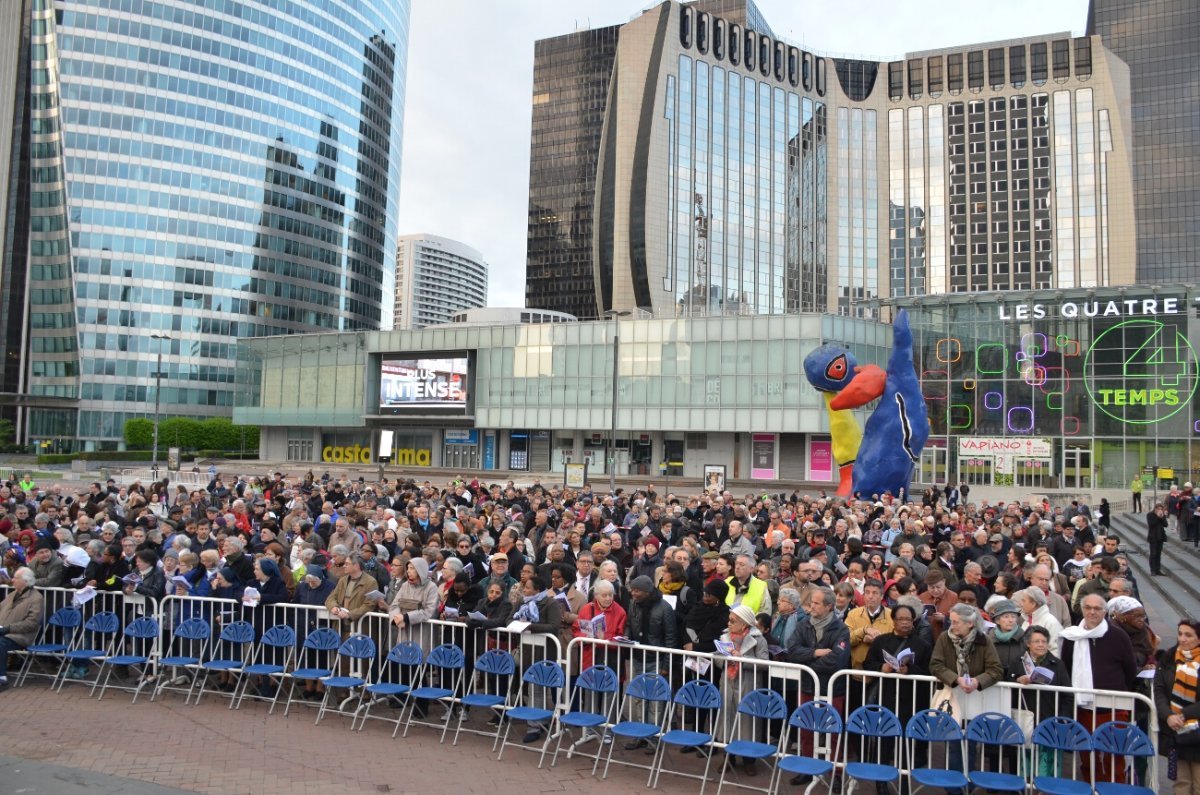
x,y
446,663
598,687
871,722
815,717
193,635
999,731
538,702
320,647
276,649
56,637
489,689
704,700
137,648
354,649
758,707
1120,739
95,645
239,637
933,727
1061,735
404,656
647,689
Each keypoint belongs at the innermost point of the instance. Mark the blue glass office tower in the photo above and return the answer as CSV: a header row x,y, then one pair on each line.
x,y
182,173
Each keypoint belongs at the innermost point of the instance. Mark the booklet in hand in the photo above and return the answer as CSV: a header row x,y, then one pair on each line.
x,y
592,628
900,659
475,615
251,597
374,596
724,647
179,581
518,626
132,578
449,613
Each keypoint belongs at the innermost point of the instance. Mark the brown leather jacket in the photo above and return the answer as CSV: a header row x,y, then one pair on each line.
x,y
21,614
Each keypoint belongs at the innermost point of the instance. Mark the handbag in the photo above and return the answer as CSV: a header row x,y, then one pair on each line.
x,y
946,700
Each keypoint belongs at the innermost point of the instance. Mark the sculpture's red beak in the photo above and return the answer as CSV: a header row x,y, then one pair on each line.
x,y
867,385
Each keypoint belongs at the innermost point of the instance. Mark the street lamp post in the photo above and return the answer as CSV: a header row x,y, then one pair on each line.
x,y
157,392
612,436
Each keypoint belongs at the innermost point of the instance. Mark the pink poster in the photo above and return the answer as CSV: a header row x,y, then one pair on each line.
x,y
762,456
820,460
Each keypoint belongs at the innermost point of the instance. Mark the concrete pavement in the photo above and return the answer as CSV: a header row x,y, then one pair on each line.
x,y
65,743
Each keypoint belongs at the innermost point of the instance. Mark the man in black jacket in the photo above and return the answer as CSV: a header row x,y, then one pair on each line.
x,y
1156,536
822,642
651,624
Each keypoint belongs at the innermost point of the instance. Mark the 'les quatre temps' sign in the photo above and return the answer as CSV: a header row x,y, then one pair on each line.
x,y
1140,367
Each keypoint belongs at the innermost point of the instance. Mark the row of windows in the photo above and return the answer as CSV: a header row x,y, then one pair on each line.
x,y
129,393
145,368
727,40
293,24
936,73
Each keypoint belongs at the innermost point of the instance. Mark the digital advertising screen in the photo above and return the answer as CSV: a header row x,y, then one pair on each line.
x,y
423,383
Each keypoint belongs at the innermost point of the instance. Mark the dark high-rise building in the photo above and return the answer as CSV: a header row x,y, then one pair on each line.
x,y
1160,40
571,77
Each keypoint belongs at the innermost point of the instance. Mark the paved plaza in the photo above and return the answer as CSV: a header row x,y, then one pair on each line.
x,y
66,743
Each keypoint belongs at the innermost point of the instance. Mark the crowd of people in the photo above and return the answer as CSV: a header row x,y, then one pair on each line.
x,y
974,591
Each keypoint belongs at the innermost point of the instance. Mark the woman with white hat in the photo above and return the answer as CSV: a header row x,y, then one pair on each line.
x,y
738,679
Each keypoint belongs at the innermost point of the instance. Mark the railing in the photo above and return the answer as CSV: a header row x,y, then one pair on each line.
x,y
904,695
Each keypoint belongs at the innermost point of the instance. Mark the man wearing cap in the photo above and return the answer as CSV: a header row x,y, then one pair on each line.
x,y
46,566
499,574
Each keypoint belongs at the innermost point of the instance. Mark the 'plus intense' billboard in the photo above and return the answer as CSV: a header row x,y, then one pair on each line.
x,y
419,383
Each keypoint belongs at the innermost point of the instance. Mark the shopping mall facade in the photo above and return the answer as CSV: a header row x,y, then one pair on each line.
x,y
1051,389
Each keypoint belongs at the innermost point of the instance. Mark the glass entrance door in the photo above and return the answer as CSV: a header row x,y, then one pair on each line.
x,y
933,467
1077,467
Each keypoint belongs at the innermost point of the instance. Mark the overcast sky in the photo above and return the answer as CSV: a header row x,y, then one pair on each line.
x,y
465,168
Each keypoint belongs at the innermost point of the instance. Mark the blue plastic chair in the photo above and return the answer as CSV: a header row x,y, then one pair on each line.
x,y
56,637
274,656
874,722
542,683
193,635
815,717
447,663
489,690
321,644
647,689
354,649
999,731
704,699
96,644
933,726
137,648
759,705
239,637
1062,735
404,656
598,687
1119,738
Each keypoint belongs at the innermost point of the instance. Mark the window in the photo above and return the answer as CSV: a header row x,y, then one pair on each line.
x,y
895,80
996,68
954,70
1016,65
735,44
1038,63
916,78
1083,58
696,441
702,22
975,70
1062,60
934,65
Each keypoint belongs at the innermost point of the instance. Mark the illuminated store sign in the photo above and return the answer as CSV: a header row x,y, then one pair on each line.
x,y
1073,309
1141,371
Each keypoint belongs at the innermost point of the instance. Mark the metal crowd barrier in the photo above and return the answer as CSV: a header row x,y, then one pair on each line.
x,y
903,694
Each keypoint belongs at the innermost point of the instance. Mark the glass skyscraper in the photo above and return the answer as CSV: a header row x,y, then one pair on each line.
x,y
737,173
183,173
1159,39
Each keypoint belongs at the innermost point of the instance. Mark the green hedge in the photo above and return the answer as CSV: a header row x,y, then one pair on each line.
x,y
217,433
133,456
